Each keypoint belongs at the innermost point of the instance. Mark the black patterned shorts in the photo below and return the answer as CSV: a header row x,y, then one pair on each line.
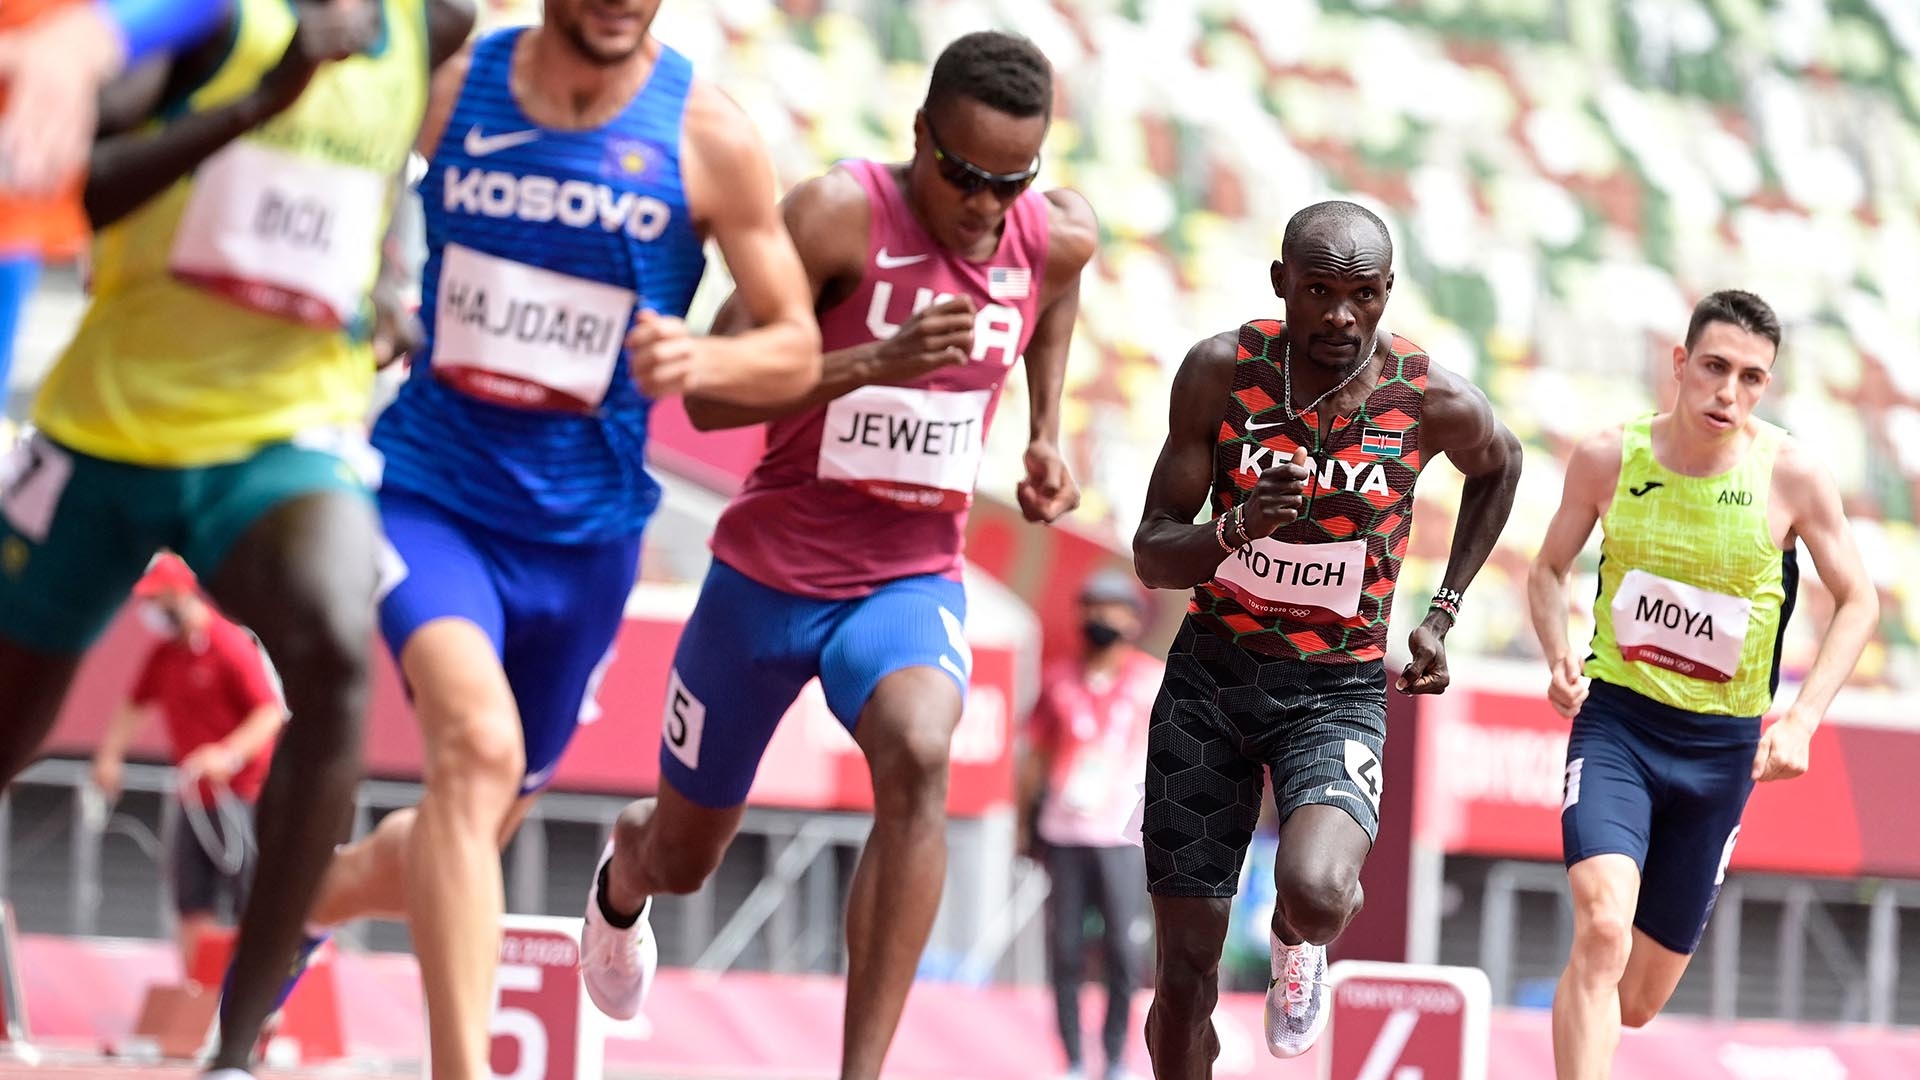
x,y
1224,714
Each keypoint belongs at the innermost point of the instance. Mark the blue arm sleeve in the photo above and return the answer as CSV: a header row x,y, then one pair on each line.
x,y
153,26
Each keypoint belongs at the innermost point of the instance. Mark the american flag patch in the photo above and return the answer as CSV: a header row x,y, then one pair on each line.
x,y
1009,282
1378,441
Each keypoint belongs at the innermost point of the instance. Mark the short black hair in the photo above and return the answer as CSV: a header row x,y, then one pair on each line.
x,y
1005,72
1331,212
1738,308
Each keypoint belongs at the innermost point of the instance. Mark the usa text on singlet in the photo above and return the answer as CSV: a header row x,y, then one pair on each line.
x,y
875,485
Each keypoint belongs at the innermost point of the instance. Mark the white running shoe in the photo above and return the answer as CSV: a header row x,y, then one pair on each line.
x,y
617,964
1296,998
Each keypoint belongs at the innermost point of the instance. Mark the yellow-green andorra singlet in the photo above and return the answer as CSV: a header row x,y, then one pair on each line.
x,y
1694,594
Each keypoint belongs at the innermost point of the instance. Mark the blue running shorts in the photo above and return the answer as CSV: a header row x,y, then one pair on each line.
x,y
552,611
749,649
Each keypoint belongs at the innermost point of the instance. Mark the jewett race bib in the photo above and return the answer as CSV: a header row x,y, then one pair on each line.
x,y
1305,582
919,449
281,234
528,338
1686,629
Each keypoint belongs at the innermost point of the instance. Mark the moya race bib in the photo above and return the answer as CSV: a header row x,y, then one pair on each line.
x,y
1686,629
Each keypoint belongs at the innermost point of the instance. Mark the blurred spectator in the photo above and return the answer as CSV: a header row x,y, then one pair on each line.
x,y
1079,781
209,683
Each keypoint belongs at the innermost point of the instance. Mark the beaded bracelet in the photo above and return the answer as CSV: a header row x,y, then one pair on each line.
x,y
1240,525
1220,533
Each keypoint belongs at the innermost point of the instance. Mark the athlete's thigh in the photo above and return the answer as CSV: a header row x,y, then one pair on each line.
x,y
564,606
443,620
742,658
917,622
439,571
75,534
1606,805
1653,973
1694,830
1203,792
1327,747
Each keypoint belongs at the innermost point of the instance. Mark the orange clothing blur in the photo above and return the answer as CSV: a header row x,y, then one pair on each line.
x,y
53,227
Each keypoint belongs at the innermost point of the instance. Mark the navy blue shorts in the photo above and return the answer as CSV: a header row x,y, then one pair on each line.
x,y
552,611
749,649
1665,787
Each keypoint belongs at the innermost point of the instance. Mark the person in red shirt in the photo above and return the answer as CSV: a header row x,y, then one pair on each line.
x,y
1079,781
210,685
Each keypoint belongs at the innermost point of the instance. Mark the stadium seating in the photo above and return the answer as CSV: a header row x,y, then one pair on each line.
x,y
1563,181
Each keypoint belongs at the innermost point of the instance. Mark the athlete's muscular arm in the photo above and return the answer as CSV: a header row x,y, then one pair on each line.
x,y
828,219
127,170
54,66
1458,422
1049,490
1592,473
1169,550
1821,524
731,193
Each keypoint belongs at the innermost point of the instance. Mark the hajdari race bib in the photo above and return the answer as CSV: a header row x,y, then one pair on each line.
x,y
281,234
1686,629
919,449
1303,582
524,337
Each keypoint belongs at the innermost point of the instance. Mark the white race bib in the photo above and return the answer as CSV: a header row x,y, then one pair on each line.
x,y
918,448
33,476
529,338
281,234
1303,582
1683,628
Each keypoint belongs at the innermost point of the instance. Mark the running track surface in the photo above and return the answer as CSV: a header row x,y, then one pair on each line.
x,y
118,1071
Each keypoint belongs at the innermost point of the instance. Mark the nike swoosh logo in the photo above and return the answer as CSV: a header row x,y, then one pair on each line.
x,y
480,145
1644,488
890,262
1345,794
1253,427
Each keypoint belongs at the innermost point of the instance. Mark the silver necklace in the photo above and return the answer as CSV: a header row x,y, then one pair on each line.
x,y
1286,379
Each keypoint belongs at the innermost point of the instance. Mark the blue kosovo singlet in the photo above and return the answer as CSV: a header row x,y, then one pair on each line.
x,y
521,414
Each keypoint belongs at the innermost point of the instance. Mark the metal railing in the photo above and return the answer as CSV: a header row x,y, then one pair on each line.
x,y
784,892
1867,971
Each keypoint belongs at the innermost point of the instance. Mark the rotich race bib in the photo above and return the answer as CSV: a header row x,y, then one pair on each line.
x,y
919,449
524,337
1304,582
281,234
1686,629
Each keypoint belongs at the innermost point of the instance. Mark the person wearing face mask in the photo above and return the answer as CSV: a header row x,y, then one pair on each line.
x,y
209,684
1085,740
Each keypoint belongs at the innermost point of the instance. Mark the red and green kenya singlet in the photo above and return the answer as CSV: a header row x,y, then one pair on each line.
x,y
1319,589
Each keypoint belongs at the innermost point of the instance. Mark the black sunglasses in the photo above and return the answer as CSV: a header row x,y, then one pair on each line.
x,y
970,178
